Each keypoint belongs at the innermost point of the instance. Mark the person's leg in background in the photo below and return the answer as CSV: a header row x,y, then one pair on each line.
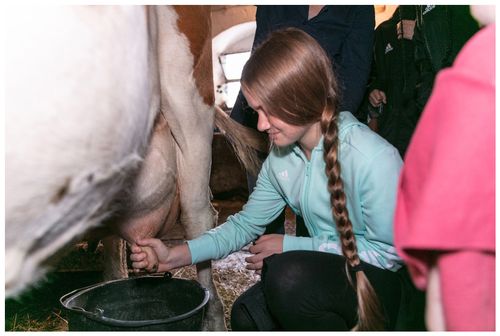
x,y
411,315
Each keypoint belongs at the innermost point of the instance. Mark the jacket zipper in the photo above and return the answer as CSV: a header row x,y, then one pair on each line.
x,y
305,192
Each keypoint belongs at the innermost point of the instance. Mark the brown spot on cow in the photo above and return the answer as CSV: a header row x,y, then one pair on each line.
x,y
200,44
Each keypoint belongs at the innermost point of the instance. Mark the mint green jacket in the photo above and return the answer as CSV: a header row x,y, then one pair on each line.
x,y
370,169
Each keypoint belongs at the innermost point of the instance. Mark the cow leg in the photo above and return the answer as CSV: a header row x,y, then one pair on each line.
x,y
197,217
214,316
184,57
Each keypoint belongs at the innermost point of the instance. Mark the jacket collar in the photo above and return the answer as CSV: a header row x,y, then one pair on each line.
x,y
346,120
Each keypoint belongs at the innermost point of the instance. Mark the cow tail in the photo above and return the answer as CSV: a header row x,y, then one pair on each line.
x,y
246,142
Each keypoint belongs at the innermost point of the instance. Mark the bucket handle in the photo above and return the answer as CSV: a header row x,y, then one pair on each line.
x,y
69,296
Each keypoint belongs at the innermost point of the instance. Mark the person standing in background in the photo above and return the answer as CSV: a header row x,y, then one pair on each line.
x,y
445,212
440,33
392,109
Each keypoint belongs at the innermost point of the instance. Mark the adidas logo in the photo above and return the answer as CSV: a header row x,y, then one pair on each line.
x,y
428,8
283,175
388,48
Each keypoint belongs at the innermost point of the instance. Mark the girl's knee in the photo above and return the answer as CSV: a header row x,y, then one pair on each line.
x,y
280,272
282,279
240,318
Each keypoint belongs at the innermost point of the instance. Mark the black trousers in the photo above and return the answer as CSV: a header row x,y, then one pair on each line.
x,y
308,290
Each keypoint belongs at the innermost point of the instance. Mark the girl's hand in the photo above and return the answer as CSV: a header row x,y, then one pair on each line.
x,y
147,254
264,247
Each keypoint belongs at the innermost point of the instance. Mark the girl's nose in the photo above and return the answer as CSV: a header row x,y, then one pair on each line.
x,y
263,122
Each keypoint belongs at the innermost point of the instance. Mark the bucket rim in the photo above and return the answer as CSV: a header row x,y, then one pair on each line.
x,y
65,299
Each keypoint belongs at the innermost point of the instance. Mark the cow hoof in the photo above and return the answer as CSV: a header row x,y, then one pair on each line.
x,y
214,324
214,316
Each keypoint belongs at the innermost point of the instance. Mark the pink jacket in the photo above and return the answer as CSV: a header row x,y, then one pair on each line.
x,y
446,194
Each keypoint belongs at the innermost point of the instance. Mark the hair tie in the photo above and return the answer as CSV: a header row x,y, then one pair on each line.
x,y
357,268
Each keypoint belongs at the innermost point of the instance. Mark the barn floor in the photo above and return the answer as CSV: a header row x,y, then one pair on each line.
x,y
39,309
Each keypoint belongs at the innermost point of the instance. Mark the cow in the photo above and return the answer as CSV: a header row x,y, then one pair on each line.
x,y
109,110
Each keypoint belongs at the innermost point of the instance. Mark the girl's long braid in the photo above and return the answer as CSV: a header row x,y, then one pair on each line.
x,y
369,313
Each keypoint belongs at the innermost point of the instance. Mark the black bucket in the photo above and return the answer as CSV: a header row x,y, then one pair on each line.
x,y
138,303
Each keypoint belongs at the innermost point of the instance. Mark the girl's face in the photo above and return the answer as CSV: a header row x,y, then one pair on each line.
x,y
280,133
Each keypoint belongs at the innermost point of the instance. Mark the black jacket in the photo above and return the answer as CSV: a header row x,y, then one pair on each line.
x,y
394,72
440,33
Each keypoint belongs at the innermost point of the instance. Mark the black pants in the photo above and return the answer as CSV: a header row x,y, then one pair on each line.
x,y
306,290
